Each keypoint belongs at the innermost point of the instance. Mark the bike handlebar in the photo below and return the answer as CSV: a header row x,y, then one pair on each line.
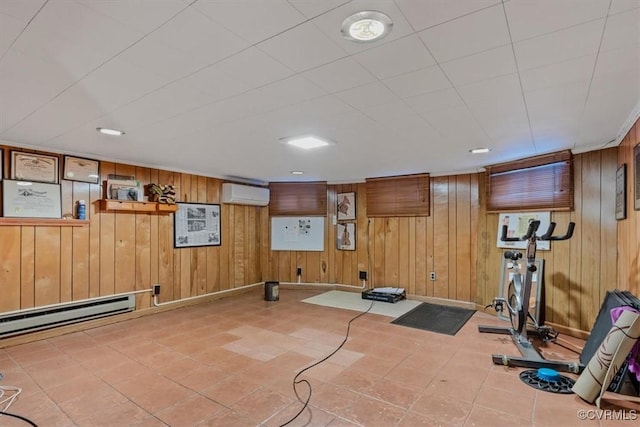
x,y
531,232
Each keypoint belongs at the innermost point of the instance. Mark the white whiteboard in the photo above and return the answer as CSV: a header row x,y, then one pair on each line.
x,y
297,233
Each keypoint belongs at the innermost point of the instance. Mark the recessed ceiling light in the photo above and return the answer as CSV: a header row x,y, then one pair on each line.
x,y
366,26
112,132
307,142
297,173
479,150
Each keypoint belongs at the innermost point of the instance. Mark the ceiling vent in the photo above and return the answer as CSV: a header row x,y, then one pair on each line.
x,y
238,194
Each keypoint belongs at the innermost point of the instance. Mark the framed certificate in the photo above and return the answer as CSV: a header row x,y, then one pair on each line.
x,y
24,199
79,169
34,167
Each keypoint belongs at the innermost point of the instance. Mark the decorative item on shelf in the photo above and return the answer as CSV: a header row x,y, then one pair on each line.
x,y
121,187
164,194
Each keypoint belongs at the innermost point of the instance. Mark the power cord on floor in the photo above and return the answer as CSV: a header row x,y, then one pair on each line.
x,y
6,401
295,379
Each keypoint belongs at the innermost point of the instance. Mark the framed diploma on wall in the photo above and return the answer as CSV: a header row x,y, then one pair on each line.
x,y
34,167
27,199
83,170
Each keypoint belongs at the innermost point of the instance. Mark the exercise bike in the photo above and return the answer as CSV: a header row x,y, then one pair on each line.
x,y
523,322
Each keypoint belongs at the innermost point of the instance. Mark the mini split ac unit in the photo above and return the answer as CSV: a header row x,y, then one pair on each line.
x,y
244,194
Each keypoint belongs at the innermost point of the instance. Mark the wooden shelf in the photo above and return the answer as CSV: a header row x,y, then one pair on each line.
x,y
47,222
131,206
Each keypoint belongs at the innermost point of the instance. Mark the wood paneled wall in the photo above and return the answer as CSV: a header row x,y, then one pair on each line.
x,y
121,251
629,229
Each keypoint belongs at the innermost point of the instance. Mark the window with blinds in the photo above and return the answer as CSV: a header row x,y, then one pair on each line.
x,y
537,183
298,198
406,195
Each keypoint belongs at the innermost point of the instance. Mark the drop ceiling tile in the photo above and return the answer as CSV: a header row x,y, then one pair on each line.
x,y
481,66
215,82
388,112
254,21
618,6
459,126
292,48
396,57
558,73
137,15
557,105
22,10
503,88
473,33
428,13
22,87
291,91
10,28
445,98
313,8
254,68
418,82
192,32
339,75
622,30
363,97
162,60
559,46
529,19
616,61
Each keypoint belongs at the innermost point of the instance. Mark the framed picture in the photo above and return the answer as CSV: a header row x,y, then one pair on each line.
x,y
196,224
346,206
621,192
636,174
517,225
34,167
79,169
346,236
24,199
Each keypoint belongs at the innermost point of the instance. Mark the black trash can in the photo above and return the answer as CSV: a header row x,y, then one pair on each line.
x,y
271,291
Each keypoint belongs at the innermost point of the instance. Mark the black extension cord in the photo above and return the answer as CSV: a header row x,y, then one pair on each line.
x,y
295,379
20,417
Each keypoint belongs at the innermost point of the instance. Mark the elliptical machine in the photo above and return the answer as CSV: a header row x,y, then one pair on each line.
x,y
523,323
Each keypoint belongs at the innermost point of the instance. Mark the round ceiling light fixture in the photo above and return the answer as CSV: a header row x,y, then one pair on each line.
x,y
366,26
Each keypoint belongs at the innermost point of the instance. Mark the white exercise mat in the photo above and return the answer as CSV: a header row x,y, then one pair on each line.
x,y
354,301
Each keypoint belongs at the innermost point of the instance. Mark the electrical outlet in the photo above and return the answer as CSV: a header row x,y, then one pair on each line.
x,y
299,271
156,290
432,276
363,275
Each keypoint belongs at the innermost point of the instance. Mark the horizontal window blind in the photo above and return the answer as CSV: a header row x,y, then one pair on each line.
x,y
537,183
406,195
298,198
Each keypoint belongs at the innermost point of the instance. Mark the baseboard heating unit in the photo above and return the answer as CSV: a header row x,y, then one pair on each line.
x,y
387,294
25,321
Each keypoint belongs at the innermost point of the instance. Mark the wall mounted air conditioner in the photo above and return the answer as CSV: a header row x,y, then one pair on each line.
x,y
244,194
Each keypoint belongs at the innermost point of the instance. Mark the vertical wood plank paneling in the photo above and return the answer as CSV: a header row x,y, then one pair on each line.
x,y
10,269
47,266
143,246
80,247
463,239
607,269
430,249
66,244
441,236
378,242
154,238
408,278
125,243
575,252
200,278
474,209
107,239
184,254
226,256
166,276
452,241
26,275
94,215
362,230
422,256
213,252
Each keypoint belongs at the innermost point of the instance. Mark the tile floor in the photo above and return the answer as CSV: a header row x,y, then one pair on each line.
x,y
231,363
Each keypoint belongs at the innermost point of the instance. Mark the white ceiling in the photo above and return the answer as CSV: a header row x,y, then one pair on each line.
x,y
212,86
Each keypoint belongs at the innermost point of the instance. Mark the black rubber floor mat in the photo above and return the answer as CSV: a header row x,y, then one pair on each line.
x,y
435,318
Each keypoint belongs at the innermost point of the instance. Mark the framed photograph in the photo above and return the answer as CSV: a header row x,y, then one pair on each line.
x,y
621,192
346,236
24,199
34,167
196,224
517,225
79,169
346,206
636,179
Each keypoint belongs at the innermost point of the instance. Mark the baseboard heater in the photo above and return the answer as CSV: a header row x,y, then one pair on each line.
x,y
17,323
